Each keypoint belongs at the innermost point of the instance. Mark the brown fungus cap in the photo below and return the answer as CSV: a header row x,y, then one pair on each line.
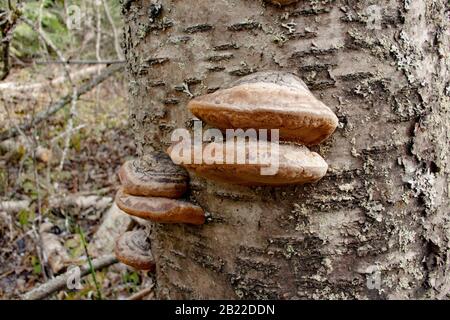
x,y
268,100
153,175
296,164
133,249
162,210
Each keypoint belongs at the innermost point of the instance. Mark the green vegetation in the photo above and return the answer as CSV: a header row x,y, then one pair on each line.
x,y
54,16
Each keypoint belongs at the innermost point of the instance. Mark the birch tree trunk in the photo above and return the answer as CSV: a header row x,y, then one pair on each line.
x,y
377,226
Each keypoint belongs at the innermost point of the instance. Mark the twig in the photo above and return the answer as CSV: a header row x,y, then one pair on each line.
x,y
16,127
55,107
115,33
59,282
33,144
15,86
14,206
48,42
81,126
80,62
7,273
69,128
98,30
141,294
61,57
43,259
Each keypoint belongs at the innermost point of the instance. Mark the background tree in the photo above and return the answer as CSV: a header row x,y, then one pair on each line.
x,y
383,208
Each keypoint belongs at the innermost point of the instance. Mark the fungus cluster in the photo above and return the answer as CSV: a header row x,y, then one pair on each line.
x,y
151,188
266,100
153,184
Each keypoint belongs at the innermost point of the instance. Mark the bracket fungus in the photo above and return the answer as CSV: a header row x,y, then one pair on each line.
x,y
153,175
268,100
133,249
261,163
162,210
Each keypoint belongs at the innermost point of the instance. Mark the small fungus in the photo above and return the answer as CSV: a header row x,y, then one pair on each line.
x,y
161,210
153,175
133,249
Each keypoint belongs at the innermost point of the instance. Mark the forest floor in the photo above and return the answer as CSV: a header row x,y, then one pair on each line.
x,y
40,200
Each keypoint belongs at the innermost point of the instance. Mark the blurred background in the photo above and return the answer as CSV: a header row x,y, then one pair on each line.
x,y
63,135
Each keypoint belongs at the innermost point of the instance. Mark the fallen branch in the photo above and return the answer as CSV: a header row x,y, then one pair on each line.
x,y
15,86
141,294
60,282
14,206
55,107
80,62
79,201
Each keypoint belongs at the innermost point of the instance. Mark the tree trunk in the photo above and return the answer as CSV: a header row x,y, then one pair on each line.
x,y
377,225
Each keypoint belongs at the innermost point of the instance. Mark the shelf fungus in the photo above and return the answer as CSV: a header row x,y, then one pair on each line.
x,y
162,210
133,249
268,100
254,163
153,175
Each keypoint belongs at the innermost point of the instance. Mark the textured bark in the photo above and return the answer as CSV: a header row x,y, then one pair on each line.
x,y
384,204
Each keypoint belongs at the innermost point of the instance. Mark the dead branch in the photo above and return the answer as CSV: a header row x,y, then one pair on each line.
x,y
14,206
59,282
80,62
141,294
37,221
98,30
81,202
81,126
43,36
114,29
55,107
14,86
69,127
